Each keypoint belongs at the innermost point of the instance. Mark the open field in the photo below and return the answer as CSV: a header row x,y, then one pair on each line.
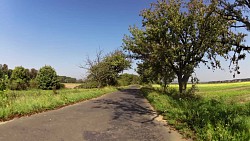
x,y
230,92
18,103
215,112
71,85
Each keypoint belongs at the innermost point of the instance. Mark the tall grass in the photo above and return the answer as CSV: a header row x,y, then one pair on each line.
x,y
18,103
205,116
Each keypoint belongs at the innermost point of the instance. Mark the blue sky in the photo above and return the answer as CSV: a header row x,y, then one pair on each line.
x,y
61,33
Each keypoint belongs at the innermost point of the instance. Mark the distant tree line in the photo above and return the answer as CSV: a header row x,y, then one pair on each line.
x,y
21,78
231,81
66,79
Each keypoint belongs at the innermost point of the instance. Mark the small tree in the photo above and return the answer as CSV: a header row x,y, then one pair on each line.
x,y
19,79
47,78
105,70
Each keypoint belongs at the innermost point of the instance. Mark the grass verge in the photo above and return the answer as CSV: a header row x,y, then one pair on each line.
x,y
19,103
202,118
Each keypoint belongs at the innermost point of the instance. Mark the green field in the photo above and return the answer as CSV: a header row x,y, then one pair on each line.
x,y
215,112
18,103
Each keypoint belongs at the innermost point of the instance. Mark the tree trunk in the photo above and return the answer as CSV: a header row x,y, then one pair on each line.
x,y
182,81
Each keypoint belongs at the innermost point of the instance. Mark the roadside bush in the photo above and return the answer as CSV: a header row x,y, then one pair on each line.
x,y
19,79
61,86
47,78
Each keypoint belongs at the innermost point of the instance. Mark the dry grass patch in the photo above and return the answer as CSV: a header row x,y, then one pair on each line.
x,y
71,85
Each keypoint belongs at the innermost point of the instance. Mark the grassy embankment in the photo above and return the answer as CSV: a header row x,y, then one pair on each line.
x,y
19,103
215,112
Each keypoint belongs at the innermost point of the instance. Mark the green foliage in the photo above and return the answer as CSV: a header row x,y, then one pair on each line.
x,y
236,10
3,77
18,103
19,79
3,70
47,78
105,70
154,72
33,84
202,118
3,83
61,86
182,35
128,79
33,73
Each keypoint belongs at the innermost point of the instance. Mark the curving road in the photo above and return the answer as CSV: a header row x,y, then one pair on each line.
x,y
119,116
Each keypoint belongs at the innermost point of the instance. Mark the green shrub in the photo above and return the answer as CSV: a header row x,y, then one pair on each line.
x,y
3,83
33,84
128,79
18,84
19,79
60,86
47,78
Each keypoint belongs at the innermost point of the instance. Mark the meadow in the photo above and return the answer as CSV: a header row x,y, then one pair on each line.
x,y
26,102
214,112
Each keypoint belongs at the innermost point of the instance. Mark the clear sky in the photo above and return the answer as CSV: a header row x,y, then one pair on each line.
x,y
61,33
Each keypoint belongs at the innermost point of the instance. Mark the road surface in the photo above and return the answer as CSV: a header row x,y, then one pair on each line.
x,y
119,116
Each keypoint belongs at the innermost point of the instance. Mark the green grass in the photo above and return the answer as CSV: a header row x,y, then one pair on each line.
x,y
216,112
19,103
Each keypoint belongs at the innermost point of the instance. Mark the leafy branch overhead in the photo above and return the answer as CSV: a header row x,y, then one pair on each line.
x,y
236,11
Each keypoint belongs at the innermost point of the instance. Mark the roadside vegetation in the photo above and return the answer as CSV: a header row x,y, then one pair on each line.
x,y
214,112
24,91
19,103
175,37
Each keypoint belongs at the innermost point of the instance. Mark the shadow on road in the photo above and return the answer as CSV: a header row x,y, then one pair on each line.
x,y
129,105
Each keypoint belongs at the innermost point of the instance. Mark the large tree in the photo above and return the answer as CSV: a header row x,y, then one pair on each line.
x,y
182,34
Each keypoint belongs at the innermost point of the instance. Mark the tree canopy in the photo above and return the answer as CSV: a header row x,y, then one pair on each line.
x,y
180,35
105,70
19,79
47,78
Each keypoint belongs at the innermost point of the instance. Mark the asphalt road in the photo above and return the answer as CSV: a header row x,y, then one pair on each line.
x,y
119,116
